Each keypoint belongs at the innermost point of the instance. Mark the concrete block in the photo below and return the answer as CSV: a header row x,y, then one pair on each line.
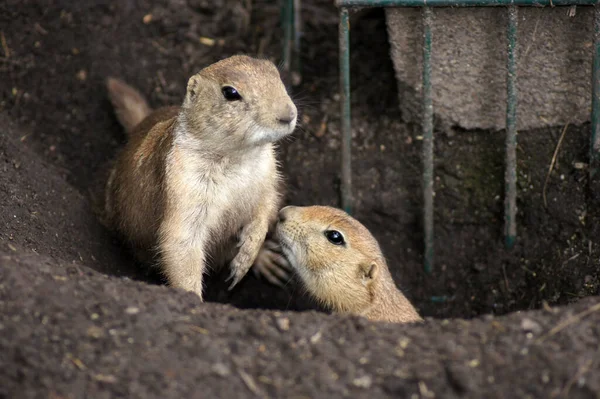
x,y
469,65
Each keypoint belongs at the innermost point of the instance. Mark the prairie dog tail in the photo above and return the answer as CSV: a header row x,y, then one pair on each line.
x,y
129,104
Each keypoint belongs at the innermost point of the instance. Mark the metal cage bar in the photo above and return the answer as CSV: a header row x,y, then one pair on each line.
x,y
346,181
510,228
291,24
595,140
287,17
510,172
462,3
427,142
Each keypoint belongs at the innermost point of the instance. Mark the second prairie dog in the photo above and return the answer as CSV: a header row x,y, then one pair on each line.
x,y
198,184
340,264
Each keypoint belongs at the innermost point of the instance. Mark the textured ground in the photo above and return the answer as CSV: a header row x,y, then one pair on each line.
x,y
70,332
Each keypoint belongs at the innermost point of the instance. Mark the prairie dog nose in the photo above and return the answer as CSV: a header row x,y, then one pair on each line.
x,y
284,213
287,114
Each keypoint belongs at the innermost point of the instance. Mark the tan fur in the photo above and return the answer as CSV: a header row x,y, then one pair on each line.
x,y
350,278
130,106
198,184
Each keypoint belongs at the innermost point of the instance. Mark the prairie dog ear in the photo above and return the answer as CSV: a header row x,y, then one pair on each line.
x,y
369,272
194,87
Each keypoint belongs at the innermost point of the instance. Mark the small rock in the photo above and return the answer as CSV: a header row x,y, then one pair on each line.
x,y
221,369
111,379
207,41
529,325
545,377
315,338
283,323
95,332
82,75
363,382
132,310
403,342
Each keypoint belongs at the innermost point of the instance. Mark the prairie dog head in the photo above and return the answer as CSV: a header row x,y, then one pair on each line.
x,y
239,102
336,257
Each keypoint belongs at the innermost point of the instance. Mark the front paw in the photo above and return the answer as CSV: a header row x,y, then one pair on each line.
x,y
239,268
272,265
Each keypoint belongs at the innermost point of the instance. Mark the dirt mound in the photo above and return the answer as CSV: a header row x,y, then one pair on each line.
x,y
70,332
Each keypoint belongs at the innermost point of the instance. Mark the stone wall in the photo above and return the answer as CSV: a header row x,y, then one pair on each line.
x,y
469,65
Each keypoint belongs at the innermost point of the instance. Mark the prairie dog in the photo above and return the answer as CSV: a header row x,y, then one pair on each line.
x,y
198,184
340,263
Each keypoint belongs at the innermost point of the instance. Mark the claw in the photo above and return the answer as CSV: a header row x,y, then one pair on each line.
x,y
272,265
240,266
271,278
283,263
236,277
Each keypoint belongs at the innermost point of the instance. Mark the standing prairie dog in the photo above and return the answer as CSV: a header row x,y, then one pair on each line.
x,y
199,184
340,263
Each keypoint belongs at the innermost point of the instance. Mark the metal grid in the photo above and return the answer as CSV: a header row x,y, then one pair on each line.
x,y
292,32
510,201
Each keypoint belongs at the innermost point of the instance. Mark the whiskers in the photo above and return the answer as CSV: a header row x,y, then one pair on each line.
x,y
311,119
296,285
307,130
304,100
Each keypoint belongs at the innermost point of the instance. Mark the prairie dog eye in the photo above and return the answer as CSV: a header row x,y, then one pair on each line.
x,y
335,237
230,93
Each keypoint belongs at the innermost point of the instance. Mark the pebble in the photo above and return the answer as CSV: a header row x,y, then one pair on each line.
x,y
529,325
95,332
221,369
283,323
315,338
132,310
363,382
111,379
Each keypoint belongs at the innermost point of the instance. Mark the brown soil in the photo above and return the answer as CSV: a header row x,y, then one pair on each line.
x,y
73,324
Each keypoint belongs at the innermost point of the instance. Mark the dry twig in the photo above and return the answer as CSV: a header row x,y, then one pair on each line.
x,y
560,140
4,45
584,368
249,381
568,322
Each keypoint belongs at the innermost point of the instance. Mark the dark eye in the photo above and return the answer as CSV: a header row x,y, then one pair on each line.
x,y
334,237
231,94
